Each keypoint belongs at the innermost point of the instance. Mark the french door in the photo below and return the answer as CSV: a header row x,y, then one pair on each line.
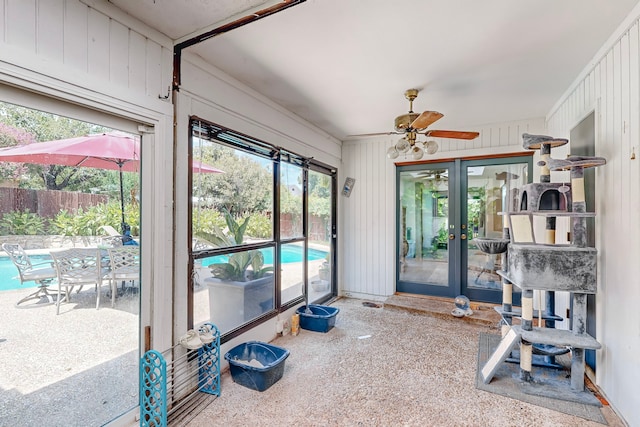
x,y
441,208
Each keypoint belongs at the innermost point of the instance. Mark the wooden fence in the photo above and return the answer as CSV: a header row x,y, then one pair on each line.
x,y
46,203
318,227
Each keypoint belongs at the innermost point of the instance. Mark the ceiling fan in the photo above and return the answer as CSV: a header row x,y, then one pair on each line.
x,y
439,174
413,124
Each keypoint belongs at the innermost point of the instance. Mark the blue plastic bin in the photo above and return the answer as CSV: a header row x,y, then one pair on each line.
x,y
271,358
321,319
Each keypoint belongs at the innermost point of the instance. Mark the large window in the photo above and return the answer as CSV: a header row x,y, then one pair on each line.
x,y
249,224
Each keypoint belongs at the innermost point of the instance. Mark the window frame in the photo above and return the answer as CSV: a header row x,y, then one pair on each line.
x,y
218,134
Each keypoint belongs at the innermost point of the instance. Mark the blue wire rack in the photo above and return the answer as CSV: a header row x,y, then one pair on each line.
x,y
165,388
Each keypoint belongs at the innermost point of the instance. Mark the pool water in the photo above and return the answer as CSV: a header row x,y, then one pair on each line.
x,y
9,276
289,254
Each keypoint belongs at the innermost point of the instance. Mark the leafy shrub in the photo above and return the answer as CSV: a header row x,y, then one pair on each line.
x,y
87,222
205,221
260,226
22,223
78,223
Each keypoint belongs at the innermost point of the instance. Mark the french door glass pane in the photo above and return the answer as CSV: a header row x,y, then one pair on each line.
x,y
424,226
489,188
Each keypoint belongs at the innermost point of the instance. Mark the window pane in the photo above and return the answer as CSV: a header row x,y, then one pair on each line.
x,y
232,196
292,271
291,201
234,289
319,224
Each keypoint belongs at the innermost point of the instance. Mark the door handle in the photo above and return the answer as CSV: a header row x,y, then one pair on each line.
x,y
452,236
463,236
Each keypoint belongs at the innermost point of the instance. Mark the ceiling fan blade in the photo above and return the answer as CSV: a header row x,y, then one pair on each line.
x,y
455,134
374,134
425,119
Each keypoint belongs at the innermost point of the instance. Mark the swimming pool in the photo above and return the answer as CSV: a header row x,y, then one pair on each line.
x,y
290,254
9,276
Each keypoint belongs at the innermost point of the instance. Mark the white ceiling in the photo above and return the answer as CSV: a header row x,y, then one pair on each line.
x,y
344,64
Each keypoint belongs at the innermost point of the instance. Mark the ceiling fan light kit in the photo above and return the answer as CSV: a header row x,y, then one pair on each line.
x,y
413,124
403,145
411,146
417,152
431,147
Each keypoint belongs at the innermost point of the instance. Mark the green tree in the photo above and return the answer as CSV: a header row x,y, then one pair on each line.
x,y
319,195
319,184
33,125
244,188
10,136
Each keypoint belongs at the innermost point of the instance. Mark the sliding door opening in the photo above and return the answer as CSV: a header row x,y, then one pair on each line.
x,y
68,358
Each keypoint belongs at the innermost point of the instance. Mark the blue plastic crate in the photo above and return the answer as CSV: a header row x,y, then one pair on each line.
x,y
321,319
259,378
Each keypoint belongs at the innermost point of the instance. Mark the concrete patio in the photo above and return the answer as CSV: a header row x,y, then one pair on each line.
x,y
405,363
78,368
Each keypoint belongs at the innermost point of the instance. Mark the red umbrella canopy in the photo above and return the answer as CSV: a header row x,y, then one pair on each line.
x,y
202,168
113,150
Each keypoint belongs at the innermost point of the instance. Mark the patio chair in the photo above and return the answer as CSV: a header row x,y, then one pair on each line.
x,y
111,231
79,267
113,237
41,273
124,262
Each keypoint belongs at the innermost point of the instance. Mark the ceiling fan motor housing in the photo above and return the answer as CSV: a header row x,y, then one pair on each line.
x,y
402,122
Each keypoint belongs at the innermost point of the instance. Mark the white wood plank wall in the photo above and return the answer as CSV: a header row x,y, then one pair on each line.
x,y
366,226
68,38
611,88
367,221
219,98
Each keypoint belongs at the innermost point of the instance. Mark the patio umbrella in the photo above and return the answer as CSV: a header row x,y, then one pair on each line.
x,y
114,150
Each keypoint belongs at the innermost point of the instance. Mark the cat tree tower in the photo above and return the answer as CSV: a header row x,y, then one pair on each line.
x,y
546,266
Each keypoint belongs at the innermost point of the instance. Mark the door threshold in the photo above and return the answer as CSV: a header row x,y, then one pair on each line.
x,y
441,307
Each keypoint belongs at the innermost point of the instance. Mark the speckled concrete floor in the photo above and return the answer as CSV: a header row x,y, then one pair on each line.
x,y
78,368
380,367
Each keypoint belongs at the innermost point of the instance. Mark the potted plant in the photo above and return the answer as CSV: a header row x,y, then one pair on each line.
x,y
324,276
237,268
325,269
241,288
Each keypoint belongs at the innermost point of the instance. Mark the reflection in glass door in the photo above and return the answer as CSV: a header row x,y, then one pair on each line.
x,y
488,190
425,217
441,208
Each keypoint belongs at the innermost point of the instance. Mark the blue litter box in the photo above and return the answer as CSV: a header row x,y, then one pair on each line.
x,y
256,365
321,319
